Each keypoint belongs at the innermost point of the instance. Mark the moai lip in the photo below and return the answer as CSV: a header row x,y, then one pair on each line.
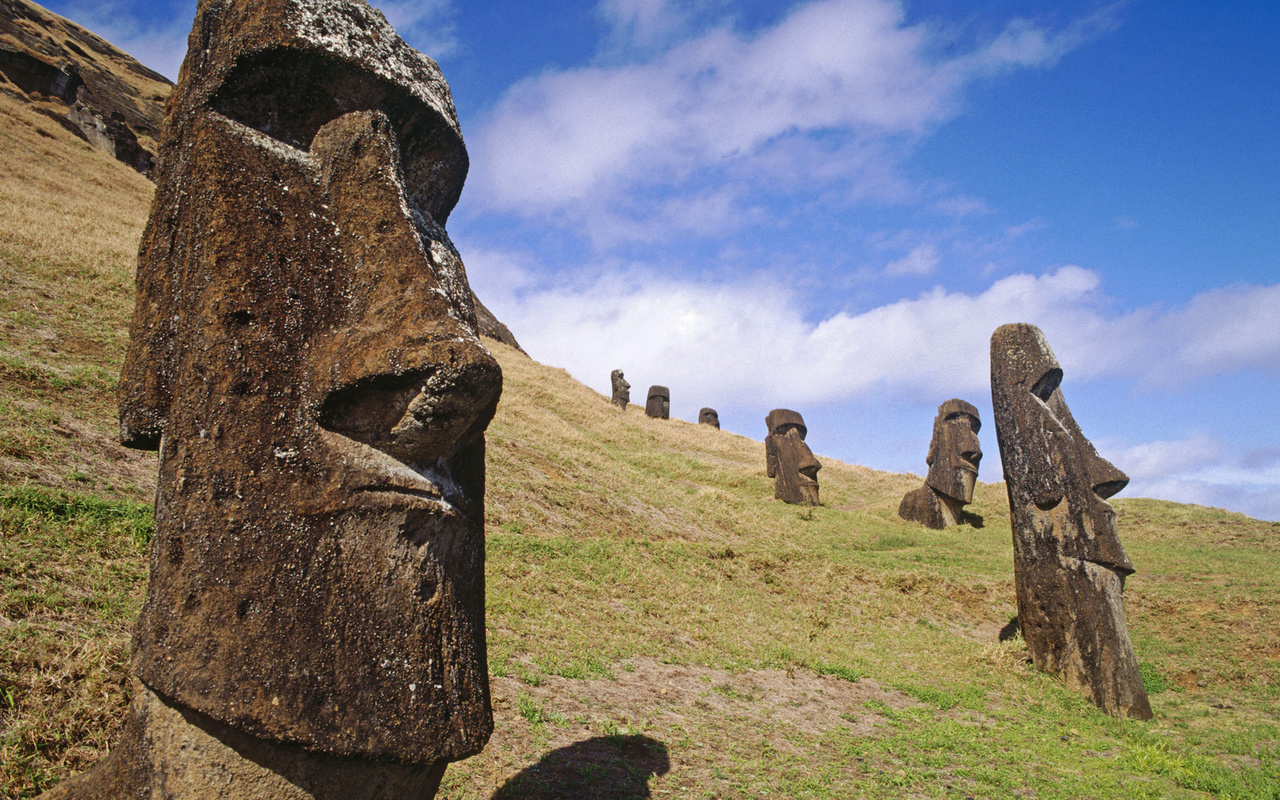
x,y
953,458
788,460
1069,565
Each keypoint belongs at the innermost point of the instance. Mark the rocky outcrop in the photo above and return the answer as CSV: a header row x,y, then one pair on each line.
x,y
97,91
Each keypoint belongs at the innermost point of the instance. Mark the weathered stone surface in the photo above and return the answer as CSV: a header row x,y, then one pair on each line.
x,y
168,751
708,416
788,460
621,389
953,458
658,403
1069,566
304,355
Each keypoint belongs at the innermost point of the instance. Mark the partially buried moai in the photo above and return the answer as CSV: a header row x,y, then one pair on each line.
x,y
708,416
788,459
953,458
304,356
1069,566
621,389
658,403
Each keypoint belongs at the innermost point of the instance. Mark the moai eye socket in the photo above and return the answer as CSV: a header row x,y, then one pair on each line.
x,y
289,95
1047,384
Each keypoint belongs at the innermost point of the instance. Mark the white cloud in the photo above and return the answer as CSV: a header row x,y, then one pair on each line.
x,y
833,82
922,260
1152,461
427,25
752,336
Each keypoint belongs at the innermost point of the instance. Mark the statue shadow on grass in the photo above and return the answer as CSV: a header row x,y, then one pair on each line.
x,y
1010,630
604,767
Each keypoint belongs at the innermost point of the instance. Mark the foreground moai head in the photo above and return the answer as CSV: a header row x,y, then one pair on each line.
x,y
621,389
658,403
788,460
708,416
954,455
304,356
1069,566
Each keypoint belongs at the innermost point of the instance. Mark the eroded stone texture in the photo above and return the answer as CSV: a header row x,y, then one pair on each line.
x,y
304,355
621,389
1069,566
658,403
788,460
953,458
708,416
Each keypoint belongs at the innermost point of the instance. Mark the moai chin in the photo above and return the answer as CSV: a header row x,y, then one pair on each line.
x,y
621,389
658,403
708,416
304,356
1069,566
788,460
954,455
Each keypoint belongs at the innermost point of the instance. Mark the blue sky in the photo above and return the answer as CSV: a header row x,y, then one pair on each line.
x,y
830,205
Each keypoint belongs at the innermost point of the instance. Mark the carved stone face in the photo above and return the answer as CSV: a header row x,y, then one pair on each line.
x,y
658,404
708,416
954,451
1069,566
788,460
621,389
304,356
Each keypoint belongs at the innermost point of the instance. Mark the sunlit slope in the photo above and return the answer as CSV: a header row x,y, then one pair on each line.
x,y
641,579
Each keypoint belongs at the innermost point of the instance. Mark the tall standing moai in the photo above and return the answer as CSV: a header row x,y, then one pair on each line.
x,y
304,356
953,458
658,403
621,389
709,416
788,460
1069,566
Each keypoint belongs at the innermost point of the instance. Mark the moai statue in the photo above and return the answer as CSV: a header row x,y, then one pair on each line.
x,y
621,389
788,459
708,416
1069,566
953,459
304,356
658,404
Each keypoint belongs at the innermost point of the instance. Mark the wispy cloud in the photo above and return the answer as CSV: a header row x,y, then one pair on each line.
x,y
922,260
153,33
833,82
428,25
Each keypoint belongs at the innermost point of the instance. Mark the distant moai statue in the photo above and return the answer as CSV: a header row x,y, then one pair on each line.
x,y
954,455
621,389
708,416
658,404
304,356
1069,566
788,460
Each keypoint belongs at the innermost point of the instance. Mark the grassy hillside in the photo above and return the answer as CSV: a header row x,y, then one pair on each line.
x,y
658,625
